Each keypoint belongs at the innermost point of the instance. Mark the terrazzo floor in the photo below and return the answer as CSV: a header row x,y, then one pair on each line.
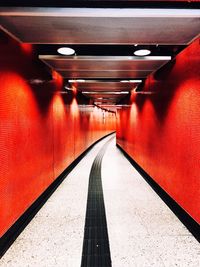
x,y
142,229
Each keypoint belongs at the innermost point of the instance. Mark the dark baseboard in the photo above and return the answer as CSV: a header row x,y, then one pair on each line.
x,y
14,231
183,216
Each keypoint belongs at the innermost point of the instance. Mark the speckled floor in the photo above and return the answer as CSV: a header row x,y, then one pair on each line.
x,y
142,230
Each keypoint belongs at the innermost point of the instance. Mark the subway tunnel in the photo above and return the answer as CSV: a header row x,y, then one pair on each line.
x,y
99,133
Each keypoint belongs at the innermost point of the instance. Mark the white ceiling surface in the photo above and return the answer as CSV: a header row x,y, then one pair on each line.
x,y
102,26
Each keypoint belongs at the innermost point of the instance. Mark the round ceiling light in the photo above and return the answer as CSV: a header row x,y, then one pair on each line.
x,y
67,51
142,52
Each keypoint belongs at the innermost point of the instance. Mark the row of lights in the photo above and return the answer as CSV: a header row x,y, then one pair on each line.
x,y
122,81
96,92
105,93
67,51
99,92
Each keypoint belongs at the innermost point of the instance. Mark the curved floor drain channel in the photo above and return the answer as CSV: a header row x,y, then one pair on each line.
x,y
96,250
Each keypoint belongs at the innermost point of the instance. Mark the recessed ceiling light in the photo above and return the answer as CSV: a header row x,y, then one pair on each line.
x,y
80,81
131,81
36,81
68,88
67,51
135,81
142,52
76,81
106,93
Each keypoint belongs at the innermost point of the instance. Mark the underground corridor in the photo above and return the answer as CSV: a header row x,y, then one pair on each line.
x,y
99,133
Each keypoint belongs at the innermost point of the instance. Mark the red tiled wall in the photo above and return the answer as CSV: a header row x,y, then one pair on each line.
x,y
40,135
161,131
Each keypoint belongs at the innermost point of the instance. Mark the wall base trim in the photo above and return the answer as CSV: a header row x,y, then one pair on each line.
x,y
182,215
14,231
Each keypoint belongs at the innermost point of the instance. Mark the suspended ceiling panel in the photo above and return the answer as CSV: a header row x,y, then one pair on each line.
x,y
101,26
118,74
104,67
102,86
101,94
107,91
100,63
107,98
98,99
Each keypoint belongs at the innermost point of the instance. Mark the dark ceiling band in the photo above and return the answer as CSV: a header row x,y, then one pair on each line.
x,y
103,4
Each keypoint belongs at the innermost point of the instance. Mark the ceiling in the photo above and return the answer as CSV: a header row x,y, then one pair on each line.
x,y
101,26
104,40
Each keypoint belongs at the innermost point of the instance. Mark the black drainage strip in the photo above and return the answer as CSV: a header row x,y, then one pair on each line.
x,y
96,250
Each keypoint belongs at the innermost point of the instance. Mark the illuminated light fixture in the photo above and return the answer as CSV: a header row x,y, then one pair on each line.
x,y
142,52
152,58
131,81
124,81
108,93
145,93
68,88
76,81
123,105
108,105
36,81
66,51
135,81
